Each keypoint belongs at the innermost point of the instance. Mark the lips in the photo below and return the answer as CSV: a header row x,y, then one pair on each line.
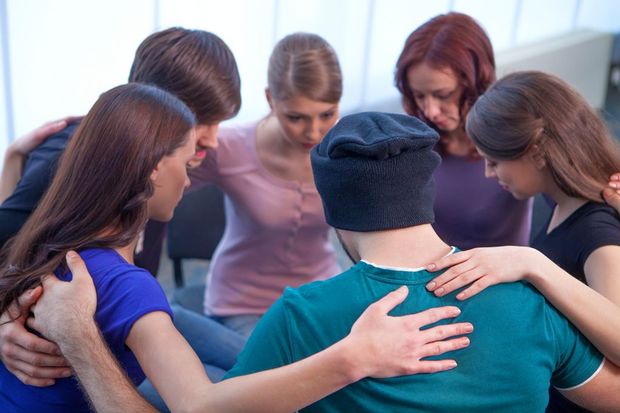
x,y
200,154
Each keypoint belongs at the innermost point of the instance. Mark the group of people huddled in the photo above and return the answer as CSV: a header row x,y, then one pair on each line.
x,y
445,308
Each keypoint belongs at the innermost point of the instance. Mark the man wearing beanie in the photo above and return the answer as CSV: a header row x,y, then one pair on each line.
x,y
374,173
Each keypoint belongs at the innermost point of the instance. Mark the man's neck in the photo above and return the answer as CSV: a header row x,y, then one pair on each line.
x,y
410,247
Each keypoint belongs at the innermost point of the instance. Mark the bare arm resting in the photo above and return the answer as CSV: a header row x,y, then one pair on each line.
x,y
480,268
286,389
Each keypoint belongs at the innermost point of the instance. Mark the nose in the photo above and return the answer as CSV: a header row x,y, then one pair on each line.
x,y
208,136
313,130
431,108
489,172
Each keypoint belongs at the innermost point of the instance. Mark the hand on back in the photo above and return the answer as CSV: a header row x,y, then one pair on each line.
x,y
395,346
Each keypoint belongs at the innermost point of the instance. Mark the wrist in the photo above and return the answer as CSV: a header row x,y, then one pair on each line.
x,y
538,269
352,360
76,332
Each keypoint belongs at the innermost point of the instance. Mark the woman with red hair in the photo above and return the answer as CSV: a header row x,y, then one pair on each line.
x,y
445,65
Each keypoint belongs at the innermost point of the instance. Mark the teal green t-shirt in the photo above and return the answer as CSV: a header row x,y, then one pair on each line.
x,y
520,345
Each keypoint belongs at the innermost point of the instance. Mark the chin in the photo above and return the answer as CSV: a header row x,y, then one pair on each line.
x,y
162,216
520,197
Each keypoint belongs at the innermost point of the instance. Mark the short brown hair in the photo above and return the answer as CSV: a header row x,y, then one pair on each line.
x,y
304,64
531,108
194,65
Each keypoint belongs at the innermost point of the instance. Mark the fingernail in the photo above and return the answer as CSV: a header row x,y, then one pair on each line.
x,y
460,296
456,311
469,328
67,373
431,267
464,342
453,364
431,285
72,254
439,291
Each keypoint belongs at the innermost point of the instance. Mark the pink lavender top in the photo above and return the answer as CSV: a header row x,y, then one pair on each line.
x,y
473,211
276,234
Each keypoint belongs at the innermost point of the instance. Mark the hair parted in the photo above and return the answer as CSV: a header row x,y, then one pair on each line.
x,y
534,110
304,64
455,41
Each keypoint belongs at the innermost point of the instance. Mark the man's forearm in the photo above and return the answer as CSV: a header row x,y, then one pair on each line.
x,y
100,376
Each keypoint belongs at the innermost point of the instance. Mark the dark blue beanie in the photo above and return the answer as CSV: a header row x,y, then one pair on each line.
x,y
374,172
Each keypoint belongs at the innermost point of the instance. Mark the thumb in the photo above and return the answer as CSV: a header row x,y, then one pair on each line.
x,y
77,267
27,299
391,300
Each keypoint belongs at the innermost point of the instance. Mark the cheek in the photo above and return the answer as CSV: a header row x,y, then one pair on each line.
x,y
454,112
327,125
292,129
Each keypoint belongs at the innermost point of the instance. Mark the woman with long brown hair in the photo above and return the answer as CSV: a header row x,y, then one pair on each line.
x,y
445,65
538,135
127,163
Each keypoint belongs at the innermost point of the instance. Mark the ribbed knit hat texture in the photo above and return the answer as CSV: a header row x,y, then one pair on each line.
x,y
374,171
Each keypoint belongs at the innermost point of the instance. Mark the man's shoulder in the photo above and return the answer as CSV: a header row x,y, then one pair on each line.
x,y
54,143
316,290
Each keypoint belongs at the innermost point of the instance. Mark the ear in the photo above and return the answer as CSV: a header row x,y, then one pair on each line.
x,y
269,98
537,157
155,172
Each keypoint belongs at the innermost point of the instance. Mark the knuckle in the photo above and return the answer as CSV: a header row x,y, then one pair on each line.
x,y
6,350
410,324
29,370
440,331
35,359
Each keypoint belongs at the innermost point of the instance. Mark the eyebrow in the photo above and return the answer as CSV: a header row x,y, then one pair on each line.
x,y
295,113
439,90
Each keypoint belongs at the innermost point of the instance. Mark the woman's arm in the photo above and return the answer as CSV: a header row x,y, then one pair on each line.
x,y
65,315
596,316
180,379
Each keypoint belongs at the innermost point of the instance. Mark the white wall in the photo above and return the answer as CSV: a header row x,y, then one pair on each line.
x,y
64,53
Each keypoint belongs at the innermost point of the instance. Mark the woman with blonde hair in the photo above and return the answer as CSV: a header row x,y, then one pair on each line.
x,y
276,234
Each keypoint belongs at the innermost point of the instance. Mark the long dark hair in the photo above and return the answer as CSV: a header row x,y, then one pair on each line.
x,y
531,108
98,197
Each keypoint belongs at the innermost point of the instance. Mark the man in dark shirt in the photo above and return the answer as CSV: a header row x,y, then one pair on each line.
x,y
36,177
194,65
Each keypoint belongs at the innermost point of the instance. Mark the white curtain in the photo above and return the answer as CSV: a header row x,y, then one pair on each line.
x,y
63,53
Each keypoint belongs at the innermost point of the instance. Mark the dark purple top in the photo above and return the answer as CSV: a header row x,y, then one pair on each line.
x,y
473,211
